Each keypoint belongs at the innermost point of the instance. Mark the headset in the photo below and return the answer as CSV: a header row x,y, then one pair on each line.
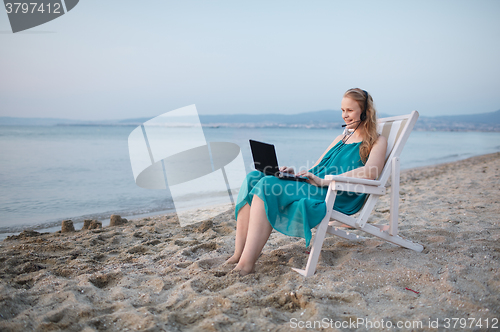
x,y
362,117
363,114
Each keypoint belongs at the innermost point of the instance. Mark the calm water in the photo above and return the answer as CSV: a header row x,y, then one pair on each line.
x,y
49,174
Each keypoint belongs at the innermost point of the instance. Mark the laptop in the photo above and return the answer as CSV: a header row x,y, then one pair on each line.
x,y
265,160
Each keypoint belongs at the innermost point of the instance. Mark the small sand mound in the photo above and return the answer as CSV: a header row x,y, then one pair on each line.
x,y
23,235
105,280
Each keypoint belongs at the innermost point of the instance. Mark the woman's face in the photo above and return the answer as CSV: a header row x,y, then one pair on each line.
x,y
351,112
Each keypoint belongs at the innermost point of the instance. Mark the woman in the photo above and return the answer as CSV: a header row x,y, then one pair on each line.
x,y
294,208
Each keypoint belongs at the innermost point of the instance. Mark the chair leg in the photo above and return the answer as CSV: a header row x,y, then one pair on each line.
x,y
315,250
393,222
312,261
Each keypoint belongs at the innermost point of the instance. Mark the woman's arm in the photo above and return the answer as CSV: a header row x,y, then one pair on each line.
x,y
371,170
374,164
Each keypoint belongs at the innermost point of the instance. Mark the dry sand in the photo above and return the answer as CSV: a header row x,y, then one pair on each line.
x,y
153,275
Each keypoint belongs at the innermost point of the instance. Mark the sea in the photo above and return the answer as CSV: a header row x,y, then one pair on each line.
x,y
53,173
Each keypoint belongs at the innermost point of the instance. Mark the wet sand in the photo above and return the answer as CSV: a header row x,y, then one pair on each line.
x,y
153,275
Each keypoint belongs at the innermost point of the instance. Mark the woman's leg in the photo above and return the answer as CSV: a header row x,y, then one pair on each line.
x,y
241,233
243,214
257,235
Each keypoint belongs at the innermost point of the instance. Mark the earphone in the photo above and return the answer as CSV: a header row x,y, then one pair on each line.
x,y
363,114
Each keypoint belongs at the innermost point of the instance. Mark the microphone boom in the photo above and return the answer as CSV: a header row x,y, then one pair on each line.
x,y
345,125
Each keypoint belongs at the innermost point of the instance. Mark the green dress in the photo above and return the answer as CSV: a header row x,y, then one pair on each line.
x,y
294,208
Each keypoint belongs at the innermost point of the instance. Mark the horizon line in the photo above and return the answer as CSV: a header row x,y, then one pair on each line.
x,y
281,114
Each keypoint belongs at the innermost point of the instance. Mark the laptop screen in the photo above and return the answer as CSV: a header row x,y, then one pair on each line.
x,y
264,157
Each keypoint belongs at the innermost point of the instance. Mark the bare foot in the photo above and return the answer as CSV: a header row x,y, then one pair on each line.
x,y
232,260
244,272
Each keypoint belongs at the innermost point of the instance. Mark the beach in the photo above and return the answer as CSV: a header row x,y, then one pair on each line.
x,y
151,274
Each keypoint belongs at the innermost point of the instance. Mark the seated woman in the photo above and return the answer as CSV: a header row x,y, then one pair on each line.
x,y
294,208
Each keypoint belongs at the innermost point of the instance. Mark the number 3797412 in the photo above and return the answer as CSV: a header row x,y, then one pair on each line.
x,y
32,7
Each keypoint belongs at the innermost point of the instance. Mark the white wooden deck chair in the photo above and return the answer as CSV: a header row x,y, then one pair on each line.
x,y
397,130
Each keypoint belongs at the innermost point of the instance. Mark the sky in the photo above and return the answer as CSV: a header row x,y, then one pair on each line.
x,y
114,59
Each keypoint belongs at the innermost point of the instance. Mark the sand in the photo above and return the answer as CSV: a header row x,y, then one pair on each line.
x,y
152,275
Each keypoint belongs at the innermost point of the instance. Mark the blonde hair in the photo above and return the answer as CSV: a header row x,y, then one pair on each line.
x,y
369,125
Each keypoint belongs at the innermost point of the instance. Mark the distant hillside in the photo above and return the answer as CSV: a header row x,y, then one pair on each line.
x,y
493,117
469,122
306,118
272,118
316,119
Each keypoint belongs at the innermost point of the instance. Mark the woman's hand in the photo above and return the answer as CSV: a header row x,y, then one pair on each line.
x,y
312,179
286,169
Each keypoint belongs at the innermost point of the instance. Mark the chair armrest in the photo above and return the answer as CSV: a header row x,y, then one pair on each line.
x,y
346,179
